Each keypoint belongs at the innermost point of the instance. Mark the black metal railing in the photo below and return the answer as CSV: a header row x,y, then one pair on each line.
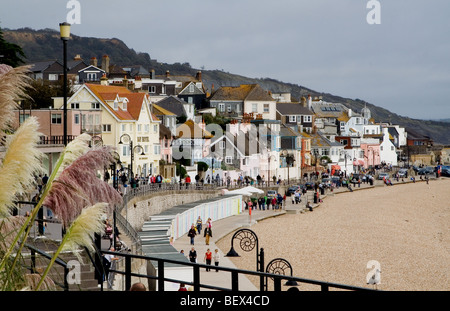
x,y
196,276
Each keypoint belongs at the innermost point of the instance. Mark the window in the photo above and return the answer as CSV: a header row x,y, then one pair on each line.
x,y
152,89
76,118
392,148
191,88
147,128
23,117
53,77
228,160
266,107
222,145
125,104
56,118
190,100
95,105
124,127
155,128
92,77
139,127
125,150
106,128
157,149
292,118
75,105
116,105
307,118
228,108
254,107
222,107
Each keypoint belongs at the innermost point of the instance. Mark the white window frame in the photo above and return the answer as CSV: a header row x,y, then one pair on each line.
x,y
292,118
228,160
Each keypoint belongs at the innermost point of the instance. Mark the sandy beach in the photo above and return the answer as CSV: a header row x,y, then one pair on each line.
x,y
405,228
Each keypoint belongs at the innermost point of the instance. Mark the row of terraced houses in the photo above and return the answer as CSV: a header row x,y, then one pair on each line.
x,y
154,121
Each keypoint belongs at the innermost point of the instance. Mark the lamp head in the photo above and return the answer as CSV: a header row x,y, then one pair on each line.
x,y
64,29
232,253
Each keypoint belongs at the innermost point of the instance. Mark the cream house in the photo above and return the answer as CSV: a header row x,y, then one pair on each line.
x,y
127,124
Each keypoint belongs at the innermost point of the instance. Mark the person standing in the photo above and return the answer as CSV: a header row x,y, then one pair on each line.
x,y
216,258
208,258
207,234
193,255
192,233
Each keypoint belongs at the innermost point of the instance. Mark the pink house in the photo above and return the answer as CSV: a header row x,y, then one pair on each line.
x,y
51,123
371,153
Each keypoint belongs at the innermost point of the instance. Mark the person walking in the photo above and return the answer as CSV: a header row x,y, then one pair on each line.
x,y
192,233
208,258
193,255
216,258
207,234
199,224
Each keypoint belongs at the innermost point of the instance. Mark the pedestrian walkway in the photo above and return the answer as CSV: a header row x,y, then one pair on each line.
x,y
220,229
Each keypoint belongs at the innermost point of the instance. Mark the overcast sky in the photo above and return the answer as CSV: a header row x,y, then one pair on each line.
x,y
402,64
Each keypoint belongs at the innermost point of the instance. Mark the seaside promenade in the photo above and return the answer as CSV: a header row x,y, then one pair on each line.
x,y
223,227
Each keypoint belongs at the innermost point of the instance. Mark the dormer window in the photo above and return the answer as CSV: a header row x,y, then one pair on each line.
x,y
125,104
191,88
116,105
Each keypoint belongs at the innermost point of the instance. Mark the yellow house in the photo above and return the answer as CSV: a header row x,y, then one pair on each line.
x,y
127,124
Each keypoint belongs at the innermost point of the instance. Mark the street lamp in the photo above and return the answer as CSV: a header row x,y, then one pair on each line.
x,y
65,35
289,160
248,241
269,157
132,150
279,266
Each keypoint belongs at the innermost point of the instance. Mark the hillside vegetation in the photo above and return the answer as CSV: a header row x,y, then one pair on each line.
x,y
40,45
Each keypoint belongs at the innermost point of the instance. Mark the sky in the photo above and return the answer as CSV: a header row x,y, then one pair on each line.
x,y
401,63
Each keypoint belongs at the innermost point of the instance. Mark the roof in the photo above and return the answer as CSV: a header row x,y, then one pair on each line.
x,y
164,132
194,131
174,105
111,92
41,66
293,109
242,93
159,111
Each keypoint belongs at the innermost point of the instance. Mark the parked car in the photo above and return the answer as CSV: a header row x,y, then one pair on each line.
x,y
271,194
426,170
309,185
403,172
381,176
445,171
293,189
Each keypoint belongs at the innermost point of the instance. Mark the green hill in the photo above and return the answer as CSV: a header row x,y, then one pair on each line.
x,y
40,45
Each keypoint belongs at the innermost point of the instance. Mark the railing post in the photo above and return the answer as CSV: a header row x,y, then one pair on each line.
x,y
161,275
127,272
196,278
277,284
234,281
324,287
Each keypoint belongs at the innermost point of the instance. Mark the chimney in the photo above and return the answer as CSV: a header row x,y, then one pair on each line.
x,y
77,57
199,76
350,113
167,74
125,82
104,80
94,61
303,101
105,63
152,74
309,102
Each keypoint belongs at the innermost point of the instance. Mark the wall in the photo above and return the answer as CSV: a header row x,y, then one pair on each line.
x,y
140,209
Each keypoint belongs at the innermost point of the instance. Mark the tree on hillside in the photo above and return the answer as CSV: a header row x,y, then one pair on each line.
x,y
10,54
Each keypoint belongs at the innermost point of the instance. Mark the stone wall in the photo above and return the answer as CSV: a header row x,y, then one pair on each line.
x,y
141,208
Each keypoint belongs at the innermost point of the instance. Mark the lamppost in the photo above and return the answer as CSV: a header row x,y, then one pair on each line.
x,y
289,160
269,157
280,266
248,241
65,35
132,150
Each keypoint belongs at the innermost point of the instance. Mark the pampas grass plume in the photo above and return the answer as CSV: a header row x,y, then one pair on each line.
x,y
21,162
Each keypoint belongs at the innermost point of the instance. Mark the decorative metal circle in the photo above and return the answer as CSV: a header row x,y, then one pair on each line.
x,y
96,141
278,266
247,239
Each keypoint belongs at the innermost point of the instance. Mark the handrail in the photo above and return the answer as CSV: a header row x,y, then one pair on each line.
x,y
57,261
234,272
